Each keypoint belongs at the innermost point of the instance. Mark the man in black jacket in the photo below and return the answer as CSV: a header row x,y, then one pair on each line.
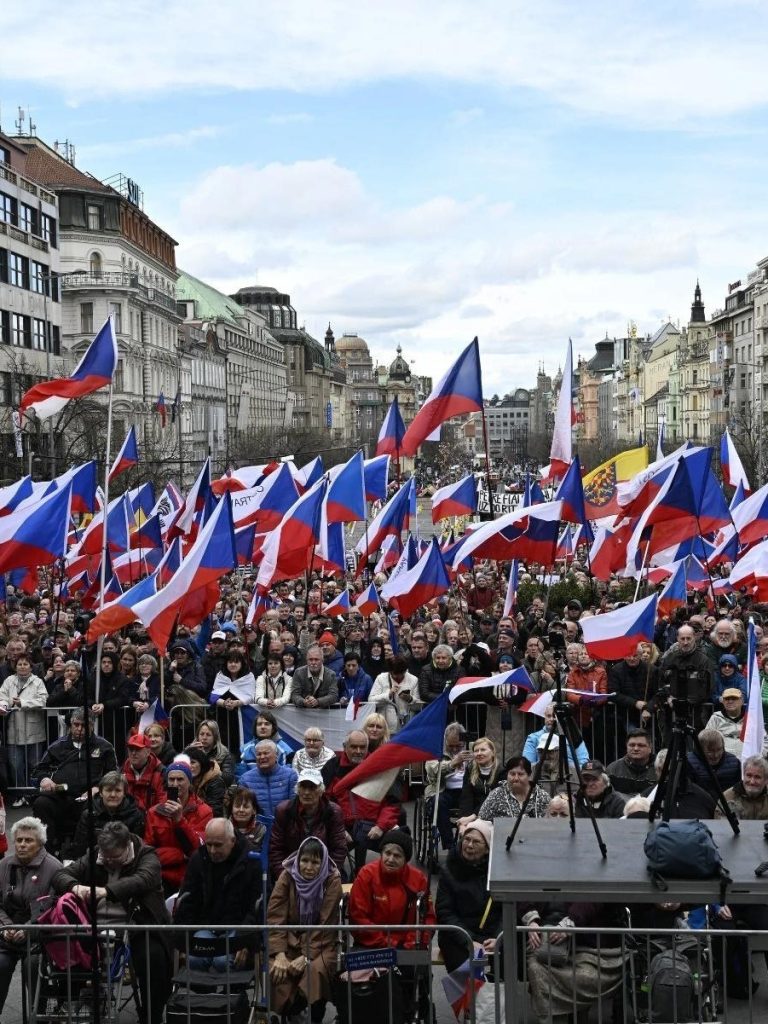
x,y
62,779
597,791
222,888
634,772
129,888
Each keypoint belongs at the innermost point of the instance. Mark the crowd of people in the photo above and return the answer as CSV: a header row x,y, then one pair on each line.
x,y
195,808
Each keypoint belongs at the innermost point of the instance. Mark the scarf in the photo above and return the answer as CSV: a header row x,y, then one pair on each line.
x,y
309,892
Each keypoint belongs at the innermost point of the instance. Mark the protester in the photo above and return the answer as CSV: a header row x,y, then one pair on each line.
x,y
508,797
309,813
242,809
270,781
208,740
315,755
22,697
634,772
112,803
175,827
315,685
207,780
748,799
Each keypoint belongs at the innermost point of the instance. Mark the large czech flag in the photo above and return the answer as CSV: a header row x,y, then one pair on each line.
x,y
613,636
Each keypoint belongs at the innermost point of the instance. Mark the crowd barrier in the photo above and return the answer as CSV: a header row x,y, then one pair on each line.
x,y
624,975
604,736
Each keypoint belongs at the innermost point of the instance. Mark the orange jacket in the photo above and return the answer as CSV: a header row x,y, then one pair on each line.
x,y
590,680
381,897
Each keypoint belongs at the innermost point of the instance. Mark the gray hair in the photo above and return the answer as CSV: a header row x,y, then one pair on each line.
x,y
756,761
73,664
314,647
268,744
314,729
115,835
442,649
111,779
30,824
147,659
229,828
635,804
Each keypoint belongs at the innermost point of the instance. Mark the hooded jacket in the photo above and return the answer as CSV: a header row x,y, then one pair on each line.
x,y
148,787
462,899
381,897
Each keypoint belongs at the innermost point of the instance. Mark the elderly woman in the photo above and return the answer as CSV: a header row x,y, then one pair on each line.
x,y
25,878
439,675
302,963
67,691
273,687
507,799
314,754
111,803
308,813
129,888
446,776
462,897
159,744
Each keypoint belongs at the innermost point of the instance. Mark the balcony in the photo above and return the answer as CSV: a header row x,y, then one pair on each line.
x,y
22,236
110,281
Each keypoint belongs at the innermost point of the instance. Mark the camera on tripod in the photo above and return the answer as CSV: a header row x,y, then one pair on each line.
x,y
682,683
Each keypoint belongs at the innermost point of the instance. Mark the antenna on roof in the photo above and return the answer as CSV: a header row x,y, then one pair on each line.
x,y
20,122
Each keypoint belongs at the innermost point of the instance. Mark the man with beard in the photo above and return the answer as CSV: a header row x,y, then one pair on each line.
x,y
748,799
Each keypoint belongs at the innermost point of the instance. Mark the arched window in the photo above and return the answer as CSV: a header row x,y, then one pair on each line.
x,y
95,264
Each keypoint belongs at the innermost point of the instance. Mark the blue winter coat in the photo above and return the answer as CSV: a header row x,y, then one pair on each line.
x,y
356,687
271,787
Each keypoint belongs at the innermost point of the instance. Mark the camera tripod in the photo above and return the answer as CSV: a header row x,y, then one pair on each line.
x,y
674,775
569,738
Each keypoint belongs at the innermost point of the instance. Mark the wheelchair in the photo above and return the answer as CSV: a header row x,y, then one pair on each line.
x,y
67,996
426,835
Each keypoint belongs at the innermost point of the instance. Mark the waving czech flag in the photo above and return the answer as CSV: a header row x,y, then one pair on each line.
x,y
459,391
459,499
615,635
127,456
95,370
392,431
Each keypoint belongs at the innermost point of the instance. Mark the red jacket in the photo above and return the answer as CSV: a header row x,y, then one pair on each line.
x,y
385,814
176,842
590,680
381,897
147,788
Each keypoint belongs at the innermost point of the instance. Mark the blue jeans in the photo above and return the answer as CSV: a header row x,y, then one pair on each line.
x,y
23,758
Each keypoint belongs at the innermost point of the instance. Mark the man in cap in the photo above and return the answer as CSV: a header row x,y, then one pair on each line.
x,y
597,792
62,779
308,813
215,658
144,776
332,658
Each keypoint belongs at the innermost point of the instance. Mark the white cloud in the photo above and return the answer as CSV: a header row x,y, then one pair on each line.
x,y
652,63
167,140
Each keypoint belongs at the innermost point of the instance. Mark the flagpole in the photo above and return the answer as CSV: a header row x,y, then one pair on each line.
x,y
491,509
640,577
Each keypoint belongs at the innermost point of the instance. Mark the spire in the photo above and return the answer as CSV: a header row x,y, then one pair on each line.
x,y
330,341
698,316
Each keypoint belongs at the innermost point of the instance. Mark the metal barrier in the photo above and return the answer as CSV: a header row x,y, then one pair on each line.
x,y
575,974
131,969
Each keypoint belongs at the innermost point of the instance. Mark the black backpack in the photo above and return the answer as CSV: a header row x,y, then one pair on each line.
x,y
671,988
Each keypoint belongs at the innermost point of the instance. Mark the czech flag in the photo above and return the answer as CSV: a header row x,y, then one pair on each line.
x,y
193,591
459,499
154,715
83,482
753,726
392,432
459,984
287,551
376,476
14,494
613,636
368,602
571,493
265,504
421,739
517,679
35,536
393,518
95,370
730,464
415,587
751,517
459,391
675,592
339,606
127,456
195,502
312,472
510,601
533,494
260,604
527,533
161,410
345,502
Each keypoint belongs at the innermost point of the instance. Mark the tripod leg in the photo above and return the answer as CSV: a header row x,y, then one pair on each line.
x,y
539,767
733,821
572,738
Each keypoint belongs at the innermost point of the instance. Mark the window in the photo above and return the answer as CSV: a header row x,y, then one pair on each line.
x,y
95,264
37,277
16,269
116,309
6,208
17,330
48,229
26,217
86,318
38,335
695,377
94,218
5,155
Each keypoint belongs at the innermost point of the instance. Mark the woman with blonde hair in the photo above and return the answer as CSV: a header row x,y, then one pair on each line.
x,y
376,729
482,775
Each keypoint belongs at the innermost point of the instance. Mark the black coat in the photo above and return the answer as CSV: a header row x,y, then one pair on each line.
x,y
64,763
462,897
221,894
433,681
128,812
474,793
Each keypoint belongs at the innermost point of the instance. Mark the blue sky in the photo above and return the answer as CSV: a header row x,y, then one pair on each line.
x,y
421,173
